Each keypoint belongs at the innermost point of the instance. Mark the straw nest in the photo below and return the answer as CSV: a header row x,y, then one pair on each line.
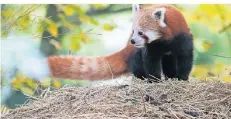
x,y
164,100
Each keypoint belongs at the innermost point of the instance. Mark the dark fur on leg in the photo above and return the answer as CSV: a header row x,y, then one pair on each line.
x,y
135,65
142,65
184,67
152,64
183,48
169,67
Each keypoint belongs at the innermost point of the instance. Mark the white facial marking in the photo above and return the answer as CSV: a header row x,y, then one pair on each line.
x,y
162,12
152,35
139,41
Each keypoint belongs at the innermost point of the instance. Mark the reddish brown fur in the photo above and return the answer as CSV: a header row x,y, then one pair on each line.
x,y
108,67
175,23
115,65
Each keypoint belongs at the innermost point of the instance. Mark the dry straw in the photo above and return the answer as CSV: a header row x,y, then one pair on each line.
x,y
164,100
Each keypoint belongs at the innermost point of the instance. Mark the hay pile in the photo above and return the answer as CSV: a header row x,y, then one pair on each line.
x,y
165,100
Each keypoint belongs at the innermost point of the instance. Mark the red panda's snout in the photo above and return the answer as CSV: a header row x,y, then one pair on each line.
x,y
138,39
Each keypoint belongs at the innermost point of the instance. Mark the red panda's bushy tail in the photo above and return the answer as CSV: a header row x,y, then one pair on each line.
x,y
90,68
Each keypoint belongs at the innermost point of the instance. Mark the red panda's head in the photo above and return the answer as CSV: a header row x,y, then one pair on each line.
x,y
156,22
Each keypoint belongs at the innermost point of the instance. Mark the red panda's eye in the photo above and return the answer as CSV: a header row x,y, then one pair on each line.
x,y
140,33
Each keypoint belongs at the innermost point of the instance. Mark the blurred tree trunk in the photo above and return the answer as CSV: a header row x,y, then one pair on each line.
x,y
52,13
46,47
2,6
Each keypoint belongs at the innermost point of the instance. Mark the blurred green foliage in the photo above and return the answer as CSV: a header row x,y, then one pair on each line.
x,y
209,24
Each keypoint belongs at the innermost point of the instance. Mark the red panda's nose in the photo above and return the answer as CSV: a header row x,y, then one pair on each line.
x,y
133,41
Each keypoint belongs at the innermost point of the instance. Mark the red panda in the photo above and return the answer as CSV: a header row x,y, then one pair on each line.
x,y
160,42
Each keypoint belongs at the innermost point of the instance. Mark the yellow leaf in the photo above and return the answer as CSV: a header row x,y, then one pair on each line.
x,y
220,67
87,19
24,21
83,37
78,9
68,10
189,17
93,21
75,46
74,38
46,82
209,9
108,27
206,46
31,83
84,18
53,29
16,83
20,77
201,45
56,84
7,13
26,90
227,79
99,6
75,41
200,71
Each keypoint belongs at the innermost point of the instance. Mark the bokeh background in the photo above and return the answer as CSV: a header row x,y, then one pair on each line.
x,y
95,30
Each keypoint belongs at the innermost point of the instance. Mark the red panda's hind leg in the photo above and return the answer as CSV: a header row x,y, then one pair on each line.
x,y
183,48
169,66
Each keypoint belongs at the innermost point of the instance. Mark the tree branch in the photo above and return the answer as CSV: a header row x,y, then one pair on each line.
x,y
107,11
222,56
225,28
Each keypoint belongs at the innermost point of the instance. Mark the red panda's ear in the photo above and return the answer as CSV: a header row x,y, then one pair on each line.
x,y
135,9
159,14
